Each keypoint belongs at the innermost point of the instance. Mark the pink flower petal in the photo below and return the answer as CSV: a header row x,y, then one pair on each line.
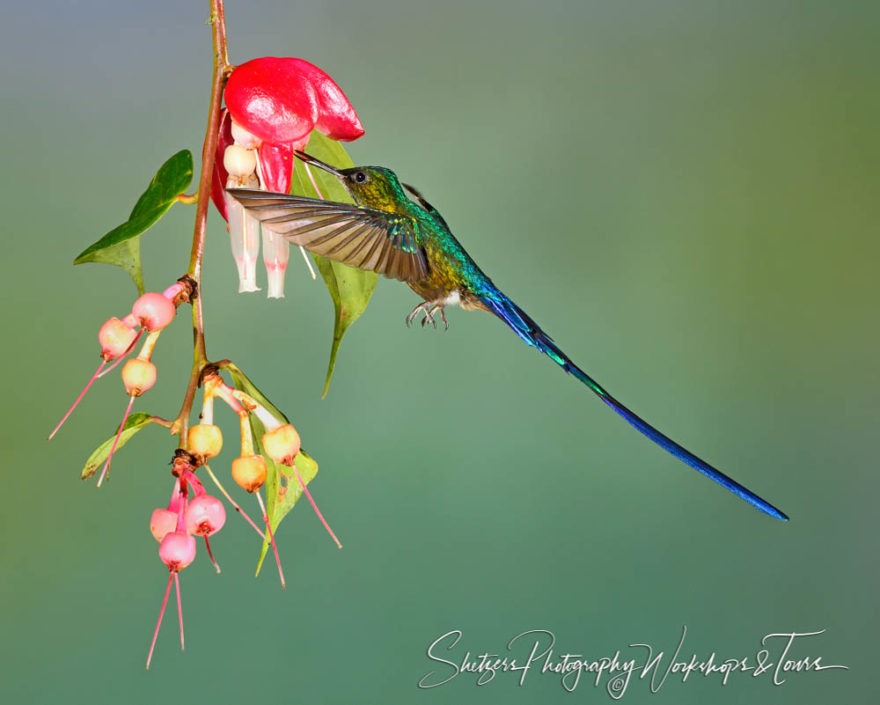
x,y
272,99
219,178
276,165
336,116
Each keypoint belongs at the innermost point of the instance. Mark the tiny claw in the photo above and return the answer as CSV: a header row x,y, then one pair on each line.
x,y
421,308
429,310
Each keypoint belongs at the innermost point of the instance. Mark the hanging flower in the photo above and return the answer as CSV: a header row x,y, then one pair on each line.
x,y
273,104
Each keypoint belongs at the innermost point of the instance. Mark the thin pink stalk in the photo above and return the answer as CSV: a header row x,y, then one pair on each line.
x,y
159,621
234,504
315,506
314,183
179,606
172,291
195,484
271,537
181,506
227,394
174,502
211,555
321,196
106,467
78,399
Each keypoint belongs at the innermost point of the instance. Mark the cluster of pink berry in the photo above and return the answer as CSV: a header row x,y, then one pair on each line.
x,y
151,313
272,105
176,526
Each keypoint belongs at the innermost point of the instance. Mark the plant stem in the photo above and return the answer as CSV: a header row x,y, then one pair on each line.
x,y
212,135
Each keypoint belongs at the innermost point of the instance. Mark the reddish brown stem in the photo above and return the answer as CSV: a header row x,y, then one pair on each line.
x,y
212,135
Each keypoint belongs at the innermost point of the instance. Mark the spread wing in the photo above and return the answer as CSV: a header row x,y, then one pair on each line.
x,y
365,238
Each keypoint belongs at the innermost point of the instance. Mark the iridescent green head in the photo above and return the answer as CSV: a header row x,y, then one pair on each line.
x,y
373,186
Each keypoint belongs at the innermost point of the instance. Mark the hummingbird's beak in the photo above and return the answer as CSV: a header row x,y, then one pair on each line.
x,y
317,162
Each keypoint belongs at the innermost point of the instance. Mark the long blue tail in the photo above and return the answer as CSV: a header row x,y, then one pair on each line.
x,y
532,334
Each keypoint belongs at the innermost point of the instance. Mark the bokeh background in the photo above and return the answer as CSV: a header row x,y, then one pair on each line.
x,y
685,195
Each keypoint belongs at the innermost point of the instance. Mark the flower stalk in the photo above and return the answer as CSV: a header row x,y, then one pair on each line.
x,y
222,68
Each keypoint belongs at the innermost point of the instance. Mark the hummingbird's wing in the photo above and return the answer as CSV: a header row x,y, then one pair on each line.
x,y
365,238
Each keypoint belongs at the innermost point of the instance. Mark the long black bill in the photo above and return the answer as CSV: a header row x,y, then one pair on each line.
x,y
308,159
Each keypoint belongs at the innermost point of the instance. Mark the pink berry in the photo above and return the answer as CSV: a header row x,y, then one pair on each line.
x,y
153,310
138,376
177,550
205,515
115,339
162,523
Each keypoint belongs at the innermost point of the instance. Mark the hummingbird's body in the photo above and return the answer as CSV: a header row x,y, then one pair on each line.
x,y
405,238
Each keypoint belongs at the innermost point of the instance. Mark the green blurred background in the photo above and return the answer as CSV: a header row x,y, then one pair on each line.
x,y
684,194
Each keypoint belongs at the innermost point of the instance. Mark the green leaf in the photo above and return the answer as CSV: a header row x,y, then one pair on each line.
x,y
349,288
282,487
243,383
121,246
133,424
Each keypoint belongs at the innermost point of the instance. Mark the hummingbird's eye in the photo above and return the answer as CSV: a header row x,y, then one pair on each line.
x,y
359,177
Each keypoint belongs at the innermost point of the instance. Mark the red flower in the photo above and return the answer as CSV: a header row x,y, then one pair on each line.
x,y
273,104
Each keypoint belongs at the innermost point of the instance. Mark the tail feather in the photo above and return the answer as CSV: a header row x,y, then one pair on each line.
x,y
531,333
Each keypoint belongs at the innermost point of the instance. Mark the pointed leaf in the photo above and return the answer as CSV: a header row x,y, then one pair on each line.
x,y
133,424
283,490
121,246
243,383
349,288
282,487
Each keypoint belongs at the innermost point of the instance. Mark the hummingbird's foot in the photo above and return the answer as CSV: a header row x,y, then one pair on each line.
x,y
421,308
428,309
439,308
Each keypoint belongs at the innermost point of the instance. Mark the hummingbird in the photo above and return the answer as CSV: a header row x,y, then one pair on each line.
x,y
393,230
